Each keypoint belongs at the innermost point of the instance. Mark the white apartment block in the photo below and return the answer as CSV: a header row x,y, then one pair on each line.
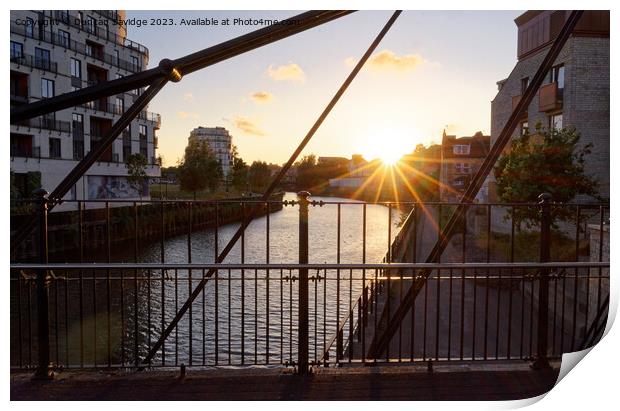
x,y
55,52
219,141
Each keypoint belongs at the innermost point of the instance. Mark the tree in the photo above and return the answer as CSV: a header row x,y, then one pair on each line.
x,y
259,175
306,172
136,172
199,169
239,171
550,161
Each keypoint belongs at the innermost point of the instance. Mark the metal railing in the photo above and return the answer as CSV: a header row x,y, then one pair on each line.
x,y
31,61
106,309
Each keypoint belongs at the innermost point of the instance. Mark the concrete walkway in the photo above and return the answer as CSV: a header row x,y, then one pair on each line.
x,y
450,382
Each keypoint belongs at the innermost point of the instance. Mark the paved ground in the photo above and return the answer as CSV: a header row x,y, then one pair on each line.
x,y
468,382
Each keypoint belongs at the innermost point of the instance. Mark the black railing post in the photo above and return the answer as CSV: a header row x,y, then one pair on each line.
x,y
543,286
44,370
302,351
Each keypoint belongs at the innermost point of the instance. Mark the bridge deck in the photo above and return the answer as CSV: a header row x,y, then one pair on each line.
x,y
449,382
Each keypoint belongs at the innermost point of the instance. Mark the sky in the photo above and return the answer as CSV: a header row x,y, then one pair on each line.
x,y
434,70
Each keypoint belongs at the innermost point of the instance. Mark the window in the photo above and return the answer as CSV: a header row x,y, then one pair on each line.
x,y
135,63
524,83
119,108
54,147
143,140
557,76
77,123
460,149
47,88
555,121
524,128
78,149
142,131
17,49
63,15
80,21
29,27
117,57
462,168
64,38
91,25
76,68
42,59
126,143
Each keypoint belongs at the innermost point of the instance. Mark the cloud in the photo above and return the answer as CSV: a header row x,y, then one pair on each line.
x,y
188,96
247,126
287,72
187,114
262,97
388,60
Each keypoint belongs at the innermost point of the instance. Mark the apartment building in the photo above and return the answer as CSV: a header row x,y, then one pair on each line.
x,y
219,141
575,92
460,160
55,52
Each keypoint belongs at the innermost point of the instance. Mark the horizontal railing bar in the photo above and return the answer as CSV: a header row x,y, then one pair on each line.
x,y
310,266
319,202
272,279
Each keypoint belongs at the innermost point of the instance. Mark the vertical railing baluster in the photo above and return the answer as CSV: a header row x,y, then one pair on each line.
x,y
302,350
414,259
338,331
463,260
281,317
81,280
229,304
108,235
267,333
216,321
576,282
242,285
543,287
20,343
44,370
190,316
512,260
255,316
135,286
450,316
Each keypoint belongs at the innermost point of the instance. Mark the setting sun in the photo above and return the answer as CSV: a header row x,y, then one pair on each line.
x,y
388,145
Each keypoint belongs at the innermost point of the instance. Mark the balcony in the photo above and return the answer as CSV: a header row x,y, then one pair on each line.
x,y
35,62
550,97
19,95
515,101
55,39
45,123
103,34
155,118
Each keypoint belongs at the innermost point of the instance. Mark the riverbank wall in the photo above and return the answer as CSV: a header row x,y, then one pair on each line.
x,y
144,223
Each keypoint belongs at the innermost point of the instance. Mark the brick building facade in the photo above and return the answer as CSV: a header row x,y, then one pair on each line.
x,y
575,92
460,160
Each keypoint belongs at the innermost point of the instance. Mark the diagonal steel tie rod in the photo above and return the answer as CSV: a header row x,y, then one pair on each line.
x,y
168,70
199,288
380,344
